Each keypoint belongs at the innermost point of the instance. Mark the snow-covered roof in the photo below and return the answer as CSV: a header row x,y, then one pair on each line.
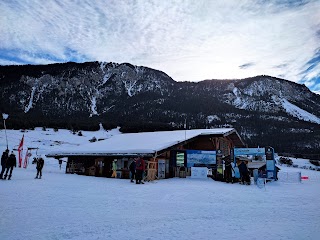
x,y
141,143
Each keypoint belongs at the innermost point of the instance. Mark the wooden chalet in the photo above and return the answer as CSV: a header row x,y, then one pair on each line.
x,y
164,152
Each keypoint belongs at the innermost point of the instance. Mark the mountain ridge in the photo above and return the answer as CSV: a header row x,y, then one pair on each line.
x,y
137,98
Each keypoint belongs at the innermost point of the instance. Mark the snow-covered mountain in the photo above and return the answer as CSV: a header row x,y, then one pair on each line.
x,y
267,94
265,110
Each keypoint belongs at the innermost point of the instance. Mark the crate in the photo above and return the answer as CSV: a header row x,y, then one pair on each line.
x,y
92,171
182,174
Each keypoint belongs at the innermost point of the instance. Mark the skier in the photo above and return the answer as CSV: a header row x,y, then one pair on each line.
x,y
4,159
40,163
132,168
11,162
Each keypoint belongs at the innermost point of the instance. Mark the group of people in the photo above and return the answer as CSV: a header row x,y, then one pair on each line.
x,y
237,173
137,168
8,162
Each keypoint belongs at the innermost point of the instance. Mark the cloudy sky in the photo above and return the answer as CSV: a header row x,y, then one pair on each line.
x,y
190,40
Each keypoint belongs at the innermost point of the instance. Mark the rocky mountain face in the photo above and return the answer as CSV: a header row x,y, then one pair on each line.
x,y
264,110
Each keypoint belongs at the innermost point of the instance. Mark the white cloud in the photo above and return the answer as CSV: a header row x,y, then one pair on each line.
x,y
189,40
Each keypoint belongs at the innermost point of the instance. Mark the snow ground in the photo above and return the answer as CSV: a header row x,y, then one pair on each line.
x,y
69,206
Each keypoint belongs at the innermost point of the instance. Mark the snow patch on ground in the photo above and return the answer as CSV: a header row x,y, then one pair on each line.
x,y
69,206
50,140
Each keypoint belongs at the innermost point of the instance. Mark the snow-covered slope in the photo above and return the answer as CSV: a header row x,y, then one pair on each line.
x,y
298,112
70,206
43,141
273,95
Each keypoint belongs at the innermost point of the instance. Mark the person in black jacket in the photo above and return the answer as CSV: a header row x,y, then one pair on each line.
x,y
244,173
228,170
11,162
4,159
40,163
132,168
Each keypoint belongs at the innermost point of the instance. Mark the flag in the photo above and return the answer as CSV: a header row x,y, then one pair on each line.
x,y
28,154
20,149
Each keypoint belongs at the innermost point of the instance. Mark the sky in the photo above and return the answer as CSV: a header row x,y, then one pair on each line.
x,y
189,40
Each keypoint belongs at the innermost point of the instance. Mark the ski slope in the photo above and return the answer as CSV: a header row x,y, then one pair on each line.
x,y
69,206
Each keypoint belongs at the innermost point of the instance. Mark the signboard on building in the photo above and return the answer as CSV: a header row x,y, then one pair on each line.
x,y
219,173
180,159
199,172
269,153
161,168
249,151
270,165
200,157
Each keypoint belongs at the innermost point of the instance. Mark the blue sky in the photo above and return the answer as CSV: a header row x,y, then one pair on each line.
x,y
189,40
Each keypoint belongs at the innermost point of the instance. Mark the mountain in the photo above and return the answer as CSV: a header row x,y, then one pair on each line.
x,y
264,110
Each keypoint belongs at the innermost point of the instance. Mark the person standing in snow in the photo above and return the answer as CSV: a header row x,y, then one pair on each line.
x,y
244,173
40,163
228,170
60,163
114,169
132,168
11,162
4,159
236,172
140,168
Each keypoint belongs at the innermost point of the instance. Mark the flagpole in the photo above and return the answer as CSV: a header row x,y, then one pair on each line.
x,y
5,116
185,129
20,148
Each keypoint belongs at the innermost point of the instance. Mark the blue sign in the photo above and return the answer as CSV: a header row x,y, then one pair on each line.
x,y
270,165
249,151
200,157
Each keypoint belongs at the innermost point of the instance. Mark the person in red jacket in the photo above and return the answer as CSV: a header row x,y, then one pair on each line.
x,y
140,168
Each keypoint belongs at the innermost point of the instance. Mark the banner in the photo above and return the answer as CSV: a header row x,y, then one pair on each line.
x,y
249,151
28,154
20,149
199,172
200,157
